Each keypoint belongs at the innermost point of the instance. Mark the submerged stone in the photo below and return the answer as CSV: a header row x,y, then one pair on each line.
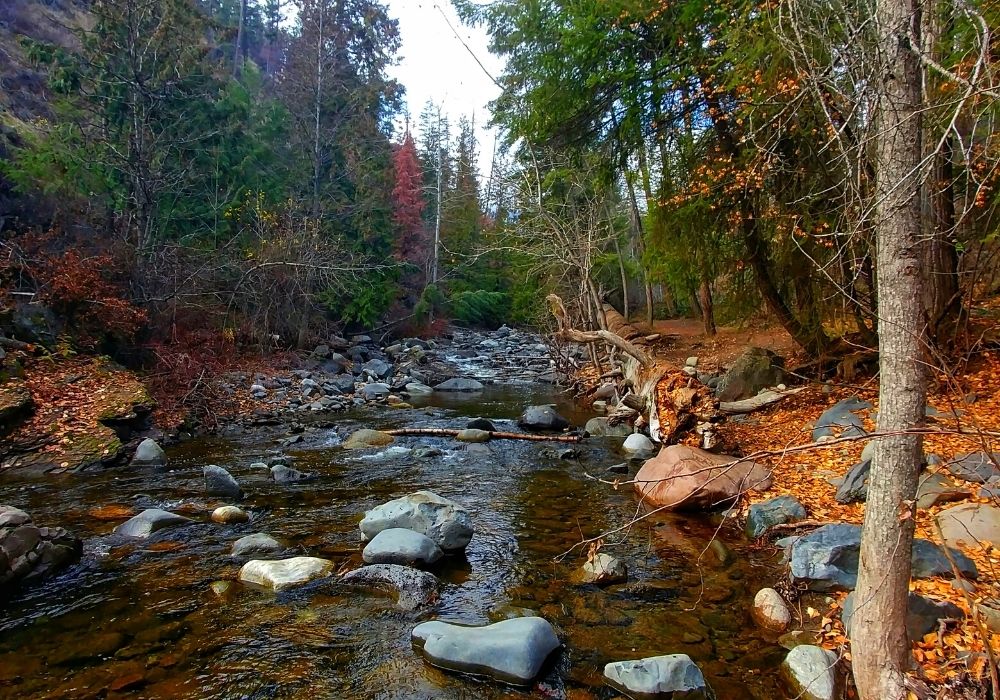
x,y
414,588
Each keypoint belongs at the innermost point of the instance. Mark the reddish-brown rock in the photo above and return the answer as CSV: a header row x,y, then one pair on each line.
x,y
686,478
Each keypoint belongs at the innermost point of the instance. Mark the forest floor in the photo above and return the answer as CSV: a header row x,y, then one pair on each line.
x,y
969,402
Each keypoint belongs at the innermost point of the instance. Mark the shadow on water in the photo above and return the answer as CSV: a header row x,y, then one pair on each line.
x,y
141,619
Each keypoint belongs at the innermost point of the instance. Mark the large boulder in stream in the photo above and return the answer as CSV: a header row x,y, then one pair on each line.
x,y
512,651
30,553
686,478
149,454
542,418
219,482
670,675
444,521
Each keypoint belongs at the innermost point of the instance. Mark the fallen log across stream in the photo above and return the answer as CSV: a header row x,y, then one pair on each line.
x,y
494,435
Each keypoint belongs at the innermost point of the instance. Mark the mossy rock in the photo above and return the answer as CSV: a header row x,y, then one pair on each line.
x,y
360,439
126,399
81,450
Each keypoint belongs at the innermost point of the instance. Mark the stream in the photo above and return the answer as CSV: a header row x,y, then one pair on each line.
x,y
142,619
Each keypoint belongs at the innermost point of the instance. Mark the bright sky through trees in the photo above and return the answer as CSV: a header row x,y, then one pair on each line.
x,y
434,65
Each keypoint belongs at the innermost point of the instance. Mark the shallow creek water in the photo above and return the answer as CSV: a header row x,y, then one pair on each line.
x,y
141,619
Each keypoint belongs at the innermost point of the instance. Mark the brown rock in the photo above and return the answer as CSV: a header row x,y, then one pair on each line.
x,y
686,478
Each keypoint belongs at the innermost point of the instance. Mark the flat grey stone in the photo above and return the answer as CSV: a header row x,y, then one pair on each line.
x,y
512,651
775,511
257,543
971,523
671,675
459,384
977,467
599,427
149,521
398,545
280,574
415,589
922,614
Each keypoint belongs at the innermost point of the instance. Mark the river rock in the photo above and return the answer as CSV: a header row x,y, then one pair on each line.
x,y
286,475
446,522
922,614
257,543
280,574
770,610
415,588
752,371
605,392
854,486
481,424
686,478
375,390
841,417
28,552
811,672
472,435
972,524
668,676
542,418
977,467
459,384
397,545
638,446
418,389
230,514
512,651
219,482
360,439
599,427
826,559
149,521
343,382
149,454
380,369
935,488
602,570
775,511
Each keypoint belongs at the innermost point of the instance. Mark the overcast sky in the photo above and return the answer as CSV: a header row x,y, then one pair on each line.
x,y
435,66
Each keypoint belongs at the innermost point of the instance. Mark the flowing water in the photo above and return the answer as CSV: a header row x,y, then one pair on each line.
x,y
141,619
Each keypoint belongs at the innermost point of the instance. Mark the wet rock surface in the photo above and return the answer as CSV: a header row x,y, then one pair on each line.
x,y
281,574
29,553
671,675
512,650
401,546
444,521
414,589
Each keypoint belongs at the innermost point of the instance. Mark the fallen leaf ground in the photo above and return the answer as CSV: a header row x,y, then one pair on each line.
x,y
958,648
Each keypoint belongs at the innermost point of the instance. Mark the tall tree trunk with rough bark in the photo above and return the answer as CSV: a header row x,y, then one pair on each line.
x,y
881,652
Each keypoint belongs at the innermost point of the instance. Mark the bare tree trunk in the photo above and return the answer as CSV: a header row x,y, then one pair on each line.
x,y
238,57
318,103
621,269
707,306
879,642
